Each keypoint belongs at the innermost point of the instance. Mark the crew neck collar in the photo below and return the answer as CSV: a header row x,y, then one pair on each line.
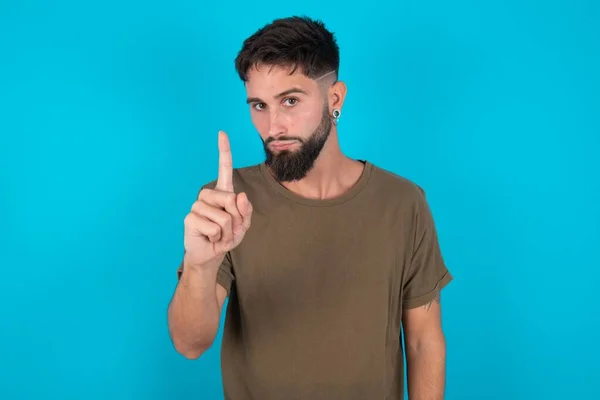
x,y
349,194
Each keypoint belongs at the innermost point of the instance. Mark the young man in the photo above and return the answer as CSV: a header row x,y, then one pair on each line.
x,y
323,257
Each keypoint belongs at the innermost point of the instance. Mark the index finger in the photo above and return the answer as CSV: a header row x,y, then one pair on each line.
x,y
225,179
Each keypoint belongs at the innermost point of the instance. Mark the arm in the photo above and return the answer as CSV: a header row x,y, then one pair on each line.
x,y
424,339
216,224
195,310
425,351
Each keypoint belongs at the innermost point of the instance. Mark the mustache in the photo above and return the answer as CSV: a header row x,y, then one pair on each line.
x,y
272,139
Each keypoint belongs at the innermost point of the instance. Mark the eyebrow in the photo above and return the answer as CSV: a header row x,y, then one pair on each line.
x,y
282,94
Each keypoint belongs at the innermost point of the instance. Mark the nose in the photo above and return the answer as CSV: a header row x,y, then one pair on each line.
x,y
277,123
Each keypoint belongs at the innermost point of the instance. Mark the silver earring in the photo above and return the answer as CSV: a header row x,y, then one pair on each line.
x,y
336,115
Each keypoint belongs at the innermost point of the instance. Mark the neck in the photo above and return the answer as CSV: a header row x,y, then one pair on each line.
x,y
333,173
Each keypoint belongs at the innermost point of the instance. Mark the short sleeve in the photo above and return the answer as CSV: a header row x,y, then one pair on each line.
x,y
427,273
225,276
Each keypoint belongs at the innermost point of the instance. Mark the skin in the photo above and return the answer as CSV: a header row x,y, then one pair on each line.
x,y
299,114
425,351
285,105
216,224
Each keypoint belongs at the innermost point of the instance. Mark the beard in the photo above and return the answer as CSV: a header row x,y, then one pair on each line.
x,y
289,166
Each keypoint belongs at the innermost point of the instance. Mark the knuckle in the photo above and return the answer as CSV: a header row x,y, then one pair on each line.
x,y
204,193
214,231
202,204
227,219
189,219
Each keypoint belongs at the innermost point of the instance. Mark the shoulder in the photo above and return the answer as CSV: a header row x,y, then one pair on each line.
x,y
404,199
393,187
248,175
244,178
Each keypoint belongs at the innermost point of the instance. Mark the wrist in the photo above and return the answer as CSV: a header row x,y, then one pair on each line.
x,y
199,277
211,265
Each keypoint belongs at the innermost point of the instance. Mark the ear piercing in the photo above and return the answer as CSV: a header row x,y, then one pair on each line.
x,y
336,114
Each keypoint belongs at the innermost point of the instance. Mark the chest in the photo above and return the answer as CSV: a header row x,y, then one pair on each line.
x,y
320,258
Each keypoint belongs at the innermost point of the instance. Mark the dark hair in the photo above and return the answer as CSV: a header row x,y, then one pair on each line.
x,y
297,42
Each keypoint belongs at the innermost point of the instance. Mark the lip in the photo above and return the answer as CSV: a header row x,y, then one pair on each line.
x,y
282,145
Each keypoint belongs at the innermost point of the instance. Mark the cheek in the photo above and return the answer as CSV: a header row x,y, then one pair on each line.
x,y
303,119
260,120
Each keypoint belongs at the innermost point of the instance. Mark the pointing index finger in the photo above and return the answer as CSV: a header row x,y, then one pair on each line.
x,y
225,179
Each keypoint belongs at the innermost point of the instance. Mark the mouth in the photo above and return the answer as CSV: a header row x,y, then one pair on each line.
x,y
282,144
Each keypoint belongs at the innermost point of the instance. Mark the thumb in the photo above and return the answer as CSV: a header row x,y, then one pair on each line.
x,y
245,208
244,205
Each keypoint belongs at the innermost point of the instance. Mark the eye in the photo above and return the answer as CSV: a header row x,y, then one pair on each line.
x,y
290,101
259,106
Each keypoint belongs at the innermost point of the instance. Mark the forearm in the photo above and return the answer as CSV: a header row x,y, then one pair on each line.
x,y
426,369
194,312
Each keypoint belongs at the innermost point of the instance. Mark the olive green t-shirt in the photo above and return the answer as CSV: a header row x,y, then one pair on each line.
x,y
317,288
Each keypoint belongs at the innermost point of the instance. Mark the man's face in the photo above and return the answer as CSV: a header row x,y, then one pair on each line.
x,y
291,114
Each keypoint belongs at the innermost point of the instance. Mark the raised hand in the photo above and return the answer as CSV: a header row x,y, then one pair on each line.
x,y
219,218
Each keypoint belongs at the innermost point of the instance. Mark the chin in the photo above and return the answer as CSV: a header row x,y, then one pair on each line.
x,y
284,152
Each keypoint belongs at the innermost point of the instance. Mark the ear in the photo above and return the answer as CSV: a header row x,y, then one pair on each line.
x,y
336,95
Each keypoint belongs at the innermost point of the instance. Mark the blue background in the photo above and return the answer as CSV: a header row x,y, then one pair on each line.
x,y
109,113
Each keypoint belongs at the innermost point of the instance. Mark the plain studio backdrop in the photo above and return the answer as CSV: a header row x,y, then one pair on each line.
x,y
109,114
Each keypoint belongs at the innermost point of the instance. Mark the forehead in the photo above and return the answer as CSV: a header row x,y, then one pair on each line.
x,y
267,81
